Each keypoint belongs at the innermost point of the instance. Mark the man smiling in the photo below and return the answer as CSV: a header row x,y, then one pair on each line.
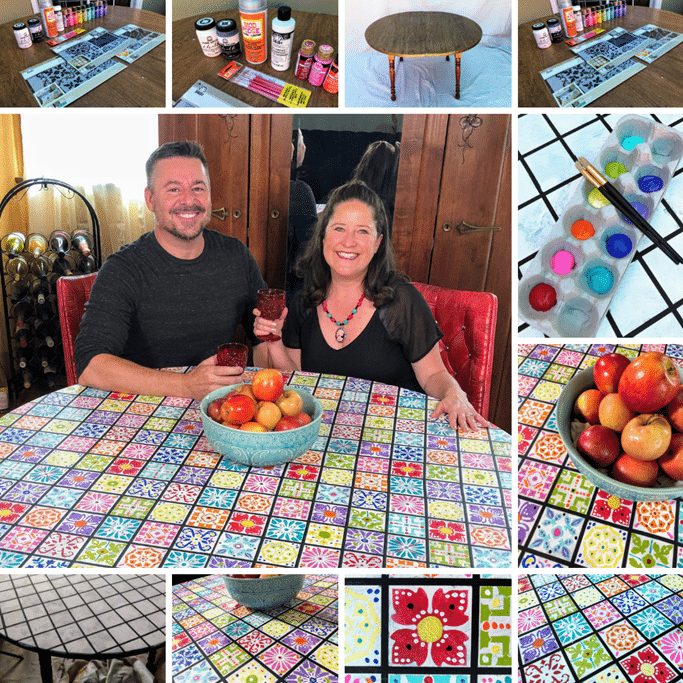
x,y
172,296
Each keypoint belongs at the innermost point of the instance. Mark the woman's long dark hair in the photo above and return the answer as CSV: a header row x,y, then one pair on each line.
x,y
382,273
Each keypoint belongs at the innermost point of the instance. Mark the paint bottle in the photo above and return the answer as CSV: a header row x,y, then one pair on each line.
x,y
66,17
228,38
34,26
555,30
568,21
59,18
331,83
47,15
282,38
541,35
207,36
253,17
578,18
23,35
304,60
321,63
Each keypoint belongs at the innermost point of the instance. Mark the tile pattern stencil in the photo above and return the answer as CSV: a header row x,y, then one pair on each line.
x,y
108,479
601,628
548,146
216,639
73,614
564,520
451,629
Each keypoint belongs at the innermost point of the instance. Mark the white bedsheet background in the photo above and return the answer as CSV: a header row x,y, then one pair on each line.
x,y
485,79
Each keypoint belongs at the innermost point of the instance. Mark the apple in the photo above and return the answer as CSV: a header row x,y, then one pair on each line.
x,y
672,461
253,427
608,370
267,414
237,409
290,403
674,411
304,418
613,412
635,472
267,384
646,436
214,410
247,391
600,444
287,423
587,405
649,382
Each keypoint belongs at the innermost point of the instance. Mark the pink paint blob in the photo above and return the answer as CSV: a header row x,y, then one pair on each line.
x,y
562,262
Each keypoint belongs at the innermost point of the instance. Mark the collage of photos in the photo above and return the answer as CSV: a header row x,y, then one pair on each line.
x,y
257,378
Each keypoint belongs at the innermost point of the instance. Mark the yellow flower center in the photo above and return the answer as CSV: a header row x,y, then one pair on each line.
x,y
430,629
495,602
614,502
647,669
5,513
246,523
495,649
445,530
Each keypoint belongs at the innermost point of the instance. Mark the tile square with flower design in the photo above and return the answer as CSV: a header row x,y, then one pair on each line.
x,y
218,640
613,629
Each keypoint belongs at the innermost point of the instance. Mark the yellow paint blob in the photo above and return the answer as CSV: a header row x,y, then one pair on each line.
x,y
430,629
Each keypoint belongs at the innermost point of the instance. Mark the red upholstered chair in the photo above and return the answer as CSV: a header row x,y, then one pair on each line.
x,y
468,321
72,293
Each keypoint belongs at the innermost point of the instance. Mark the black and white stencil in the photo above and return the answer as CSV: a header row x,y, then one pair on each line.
x,y
662,42
142,41
93,49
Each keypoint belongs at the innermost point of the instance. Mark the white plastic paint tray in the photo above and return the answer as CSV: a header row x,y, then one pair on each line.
x,y
579,310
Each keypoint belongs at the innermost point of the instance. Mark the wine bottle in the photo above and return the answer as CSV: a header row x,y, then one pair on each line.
x,y
17,268
82,240
17,290
36,244
59,242
62,264
45,311
22,335
22,312
50,373
27,377
86,264
13,244
40,289
45,354
41,266
46,332
23,354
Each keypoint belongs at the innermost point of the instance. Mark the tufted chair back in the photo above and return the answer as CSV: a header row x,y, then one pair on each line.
x,y
72,293
468,321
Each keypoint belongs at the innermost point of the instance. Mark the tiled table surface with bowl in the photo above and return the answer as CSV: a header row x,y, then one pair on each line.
x,y
216,639
564,520
600,627
91,478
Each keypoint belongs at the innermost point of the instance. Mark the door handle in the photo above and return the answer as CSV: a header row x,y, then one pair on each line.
x,y
465,228
221,214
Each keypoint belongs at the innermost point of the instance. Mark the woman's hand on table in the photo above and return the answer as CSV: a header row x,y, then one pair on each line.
x,y
263,327
207,377
460,412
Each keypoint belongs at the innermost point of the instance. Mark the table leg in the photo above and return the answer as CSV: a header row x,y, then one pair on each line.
x,y
392,77
45,667
457,75
151,657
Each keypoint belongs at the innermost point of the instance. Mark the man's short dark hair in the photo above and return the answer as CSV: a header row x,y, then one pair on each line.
x,y
170,150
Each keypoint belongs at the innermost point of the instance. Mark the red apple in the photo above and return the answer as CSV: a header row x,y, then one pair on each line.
x,y
237,409
608,370
290,403
646,436
304,418
267,414
672,461
287,423
253,427
649,382
214,409
613,412
600,444
587,405
635,472
267,384
674,411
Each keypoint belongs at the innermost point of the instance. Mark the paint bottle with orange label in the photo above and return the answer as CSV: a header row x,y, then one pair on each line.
x,y
253,17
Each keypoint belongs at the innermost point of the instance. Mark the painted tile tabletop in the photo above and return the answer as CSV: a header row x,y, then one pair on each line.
x,y
89,478
215,639
564,520
450,629
600,628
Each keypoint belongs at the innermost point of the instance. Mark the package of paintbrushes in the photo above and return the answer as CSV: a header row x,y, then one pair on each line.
x,y
569,285
272,88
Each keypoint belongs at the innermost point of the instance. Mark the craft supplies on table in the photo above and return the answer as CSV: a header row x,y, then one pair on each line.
x,y
202,94
661,42
640,156
268,86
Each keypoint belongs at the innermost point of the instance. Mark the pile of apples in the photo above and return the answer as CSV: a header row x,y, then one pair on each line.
x,y
635,418
262,406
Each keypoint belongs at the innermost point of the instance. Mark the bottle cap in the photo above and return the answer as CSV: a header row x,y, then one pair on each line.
x,y
538,27
204,24
226,26
553,22
19,27
307,48
34,22
253,5
284,13
325,53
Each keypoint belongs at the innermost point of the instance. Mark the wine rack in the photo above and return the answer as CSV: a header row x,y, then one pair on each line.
x,y
31,264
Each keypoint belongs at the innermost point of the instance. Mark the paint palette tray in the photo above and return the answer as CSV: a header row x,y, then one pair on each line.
x,y
569,285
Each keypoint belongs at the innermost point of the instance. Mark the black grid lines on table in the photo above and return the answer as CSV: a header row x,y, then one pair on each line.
x,y
83,615
548,145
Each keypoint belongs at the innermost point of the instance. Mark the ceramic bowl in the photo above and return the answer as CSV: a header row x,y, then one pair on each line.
x,y
665,488
264,593
262,449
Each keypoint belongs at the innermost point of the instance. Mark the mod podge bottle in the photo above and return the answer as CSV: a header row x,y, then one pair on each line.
x,y
253,17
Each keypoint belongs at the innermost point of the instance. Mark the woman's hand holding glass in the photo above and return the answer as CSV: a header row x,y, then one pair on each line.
x,y
264,328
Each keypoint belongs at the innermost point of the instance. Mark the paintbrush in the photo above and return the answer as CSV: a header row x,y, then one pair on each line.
x,y
595,178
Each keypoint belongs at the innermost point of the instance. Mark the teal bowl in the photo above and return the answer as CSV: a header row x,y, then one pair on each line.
x,y
664,488
262,449
264,593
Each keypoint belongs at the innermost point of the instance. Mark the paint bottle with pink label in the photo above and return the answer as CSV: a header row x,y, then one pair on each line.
x,y
321,64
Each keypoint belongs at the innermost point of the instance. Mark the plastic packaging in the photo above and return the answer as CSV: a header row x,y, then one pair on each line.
x,y
282,39
228,38
23,35
253,17
207,36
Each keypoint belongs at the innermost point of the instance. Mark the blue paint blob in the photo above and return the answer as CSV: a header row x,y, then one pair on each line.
x,y
640,208
600,279
619,245
631,141
650,183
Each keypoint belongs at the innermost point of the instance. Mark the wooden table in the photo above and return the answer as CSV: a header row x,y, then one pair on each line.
x,y
423,34
141,84
660,84
83,616
190,64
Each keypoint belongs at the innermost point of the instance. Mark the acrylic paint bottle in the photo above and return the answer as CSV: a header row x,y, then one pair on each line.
x,y
207,36
304,60
253,17
59,18
67,17
555,30
321,64
282,39
578,18
23,35
331,83
541,35
34,26
228,38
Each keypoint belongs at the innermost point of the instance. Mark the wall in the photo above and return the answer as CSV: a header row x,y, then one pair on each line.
x,y
533,9
673,6
190,8
158,6
9,11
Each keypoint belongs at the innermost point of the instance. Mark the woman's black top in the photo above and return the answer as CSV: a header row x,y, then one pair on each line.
x,y
399,333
